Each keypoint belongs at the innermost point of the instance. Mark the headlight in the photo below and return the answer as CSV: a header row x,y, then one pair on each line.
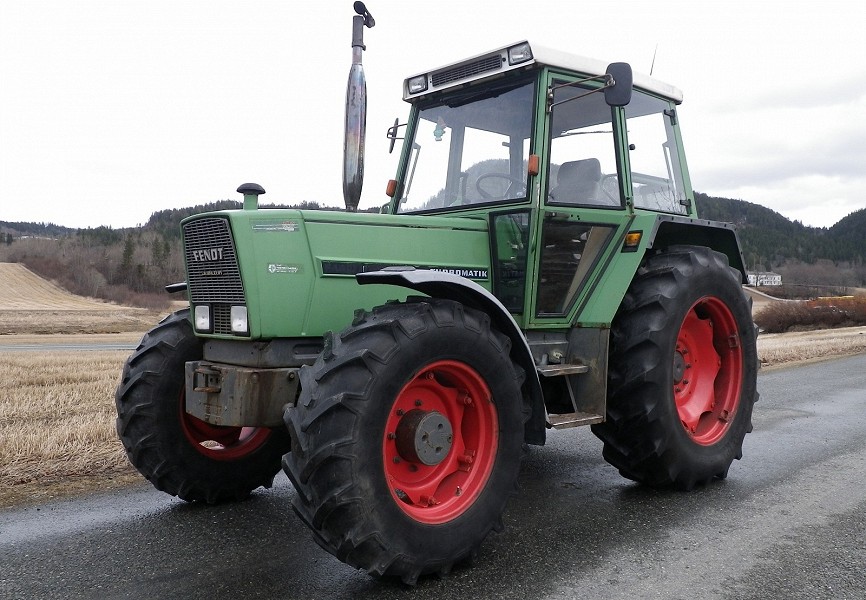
x,y
240,324
519,54
202,318
417,84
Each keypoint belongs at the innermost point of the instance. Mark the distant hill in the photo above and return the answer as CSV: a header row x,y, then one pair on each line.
x,y
21,289
849,234
768,238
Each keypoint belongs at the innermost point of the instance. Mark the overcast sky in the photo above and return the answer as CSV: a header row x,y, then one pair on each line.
x,y
113,110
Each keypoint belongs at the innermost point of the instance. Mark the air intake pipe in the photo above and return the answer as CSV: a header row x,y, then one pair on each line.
x,y
356,113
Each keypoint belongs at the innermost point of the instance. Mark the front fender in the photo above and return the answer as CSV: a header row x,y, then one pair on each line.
x,y
438,284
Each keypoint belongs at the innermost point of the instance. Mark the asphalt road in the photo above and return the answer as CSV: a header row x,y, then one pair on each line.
x,y
789,522
84,346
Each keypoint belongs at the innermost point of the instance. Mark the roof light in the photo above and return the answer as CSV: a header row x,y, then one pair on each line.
x,y
519,54
417,84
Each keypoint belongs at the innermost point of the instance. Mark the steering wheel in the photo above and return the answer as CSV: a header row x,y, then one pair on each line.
x,y
513,184
610,187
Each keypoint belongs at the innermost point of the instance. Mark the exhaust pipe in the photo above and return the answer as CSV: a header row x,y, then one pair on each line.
x,y
356,113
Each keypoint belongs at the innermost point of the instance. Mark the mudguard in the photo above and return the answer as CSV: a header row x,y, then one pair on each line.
x,y
438,284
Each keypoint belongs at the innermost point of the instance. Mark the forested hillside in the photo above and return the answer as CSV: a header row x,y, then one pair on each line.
x,y
810,259
132,265
768,238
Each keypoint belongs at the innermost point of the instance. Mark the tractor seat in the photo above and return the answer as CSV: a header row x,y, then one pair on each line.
x,y
577,182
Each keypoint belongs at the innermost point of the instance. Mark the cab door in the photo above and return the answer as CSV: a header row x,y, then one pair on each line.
x,y
584,208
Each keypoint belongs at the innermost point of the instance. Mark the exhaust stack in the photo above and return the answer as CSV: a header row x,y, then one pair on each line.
x,y
356,113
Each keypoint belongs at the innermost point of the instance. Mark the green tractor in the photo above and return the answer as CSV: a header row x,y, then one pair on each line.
x,y
539,264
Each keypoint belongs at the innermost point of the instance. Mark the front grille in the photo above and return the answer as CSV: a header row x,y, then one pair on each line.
x,y
482,65
213,276
221,318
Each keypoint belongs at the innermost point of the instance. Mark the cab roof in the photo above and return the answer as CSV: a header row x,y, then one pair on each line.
x,y
522,55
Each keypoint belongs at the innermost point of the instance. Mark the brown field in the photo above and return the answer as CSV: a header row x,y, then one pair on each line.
x,y
57,414
57,424
57,408
30,304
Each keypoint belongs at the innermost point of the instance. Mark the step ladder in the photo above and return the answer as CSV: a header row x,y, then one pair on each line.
x,y
578,417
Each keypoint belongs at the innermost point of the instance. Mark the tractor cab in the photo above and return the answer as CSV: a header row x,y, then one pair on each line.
x,y
549,147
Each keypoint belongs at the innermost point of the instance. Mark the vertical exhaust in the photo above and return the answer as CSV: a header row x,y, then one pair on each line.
x,y
356,113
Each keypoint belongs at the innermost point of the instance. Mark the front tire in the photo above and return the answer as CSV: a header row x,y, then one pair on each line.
x,y
180,454
683,369
407,438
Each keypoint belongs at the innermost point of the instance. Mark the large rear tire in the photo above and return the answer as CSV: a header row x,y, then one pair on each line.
x,y
180,454
407,438
682,374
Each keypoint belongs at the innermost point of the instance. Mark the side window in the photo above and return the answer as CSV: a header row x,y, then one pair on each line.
x,y
510,240
570,250
582,157
655,162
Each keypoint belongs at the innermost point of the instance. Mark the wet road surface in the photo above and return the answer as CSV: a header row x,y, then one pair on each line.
x,y
789,522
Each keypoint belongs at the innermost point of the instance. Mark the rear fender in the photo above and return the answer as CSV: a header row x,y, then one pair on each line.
x,y
722,237
438,284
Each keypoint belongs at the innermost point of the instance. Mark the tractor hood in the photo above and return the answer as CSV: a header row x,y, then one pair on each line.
x,y
292,272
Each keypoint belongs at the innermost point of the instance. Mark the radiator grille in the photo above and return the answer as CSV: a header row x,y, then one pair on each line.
x,y
482,65
213,276
221,318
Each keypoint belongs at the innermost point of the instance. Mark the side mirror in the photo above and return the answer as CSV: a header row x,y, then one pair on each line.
x,y
392,134
618,90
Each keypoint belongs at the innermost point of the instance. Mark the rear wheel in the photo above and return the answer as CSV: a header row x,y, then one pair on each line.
x,y
407,438
178,453
683,367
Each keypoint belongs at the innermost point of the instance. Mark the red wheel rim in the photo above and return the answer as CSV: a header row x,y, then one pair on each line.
x,y
708,370
221,442
440,442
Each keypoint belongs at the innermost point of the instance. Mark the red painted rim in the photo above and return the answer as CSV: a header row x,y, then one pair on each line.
x,y
218,442
708,370
451,393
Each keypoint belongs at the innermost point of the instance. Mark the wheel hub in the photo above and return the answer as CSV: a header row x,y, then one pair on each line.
x,y
424,437
679,366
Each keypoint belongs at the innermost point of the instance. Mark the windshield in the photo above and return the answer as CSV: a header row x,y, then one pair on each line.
x,y
470,150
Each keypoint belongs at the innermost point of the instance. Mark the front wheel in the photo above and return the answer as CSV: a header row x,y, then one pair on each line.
x,y
682,374
178,453
407,438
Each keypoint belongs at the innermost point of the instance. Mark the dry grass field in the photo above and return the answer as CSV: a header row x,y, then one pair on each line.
x,y
57,432
57,424
30,304
56,407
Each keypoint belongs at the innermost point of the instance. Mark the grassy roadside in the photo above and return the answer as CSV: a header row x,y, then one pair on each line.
x,y
57,435
57,424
